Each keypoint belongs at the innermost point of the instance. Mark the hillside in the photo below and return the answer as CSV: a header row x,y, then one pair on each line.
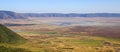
x,y
8,36
10,15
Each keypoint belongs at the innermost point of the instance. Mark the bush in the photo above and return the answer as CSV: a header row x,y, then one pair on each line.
x,y
10,49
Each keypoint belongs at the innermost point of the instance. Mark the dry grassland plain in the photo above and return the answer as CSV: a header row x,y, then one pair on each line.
x,y
67,34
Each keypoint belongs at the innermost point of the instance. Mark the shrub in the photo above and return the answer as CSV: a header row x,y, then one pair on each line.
x,y
10,49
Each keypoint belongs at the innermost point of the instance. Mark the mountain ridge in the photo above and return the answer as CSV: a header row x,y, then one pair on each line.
x,y
71,15
10,15
14,15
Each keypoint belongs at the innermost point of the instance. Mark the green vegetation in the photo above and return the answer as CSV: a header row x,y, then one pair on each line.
x,y
10,49
8,36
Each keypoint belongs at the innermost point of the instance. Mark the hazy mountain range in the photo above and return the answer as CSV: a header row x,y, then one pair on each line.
x,y
14,15
10,15
71,15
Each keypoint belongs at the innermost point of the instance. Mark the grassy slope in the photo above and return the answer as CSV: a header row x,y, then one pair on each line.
x,y
9,39
8,36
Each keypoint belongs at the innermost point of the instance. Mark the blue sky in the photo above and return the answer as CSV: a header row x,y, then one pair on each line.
x,y
61,6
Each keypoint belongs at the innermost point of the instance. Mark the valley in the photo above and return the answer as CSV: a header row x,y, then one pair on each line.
x,y
66,34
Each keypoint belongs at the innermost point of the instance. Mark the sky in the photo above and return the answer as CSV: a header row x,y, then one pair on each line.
x,y
61,6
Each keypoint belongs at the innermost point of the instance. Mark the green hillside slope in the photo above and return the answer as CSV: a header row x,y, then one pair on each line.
x,y
8,36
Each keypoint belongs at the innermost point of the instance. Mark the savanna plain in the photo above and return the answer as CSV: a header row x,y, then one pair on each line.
x,y
64,35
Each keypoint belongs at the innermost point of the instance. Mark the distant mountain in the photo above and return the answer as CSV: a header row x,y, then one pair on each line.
x,y
71,15
8,36
13,15
10,15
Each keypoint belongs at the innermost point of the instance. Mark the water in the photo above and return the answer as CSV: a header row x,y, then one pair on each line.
x,y
17,30
84,23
